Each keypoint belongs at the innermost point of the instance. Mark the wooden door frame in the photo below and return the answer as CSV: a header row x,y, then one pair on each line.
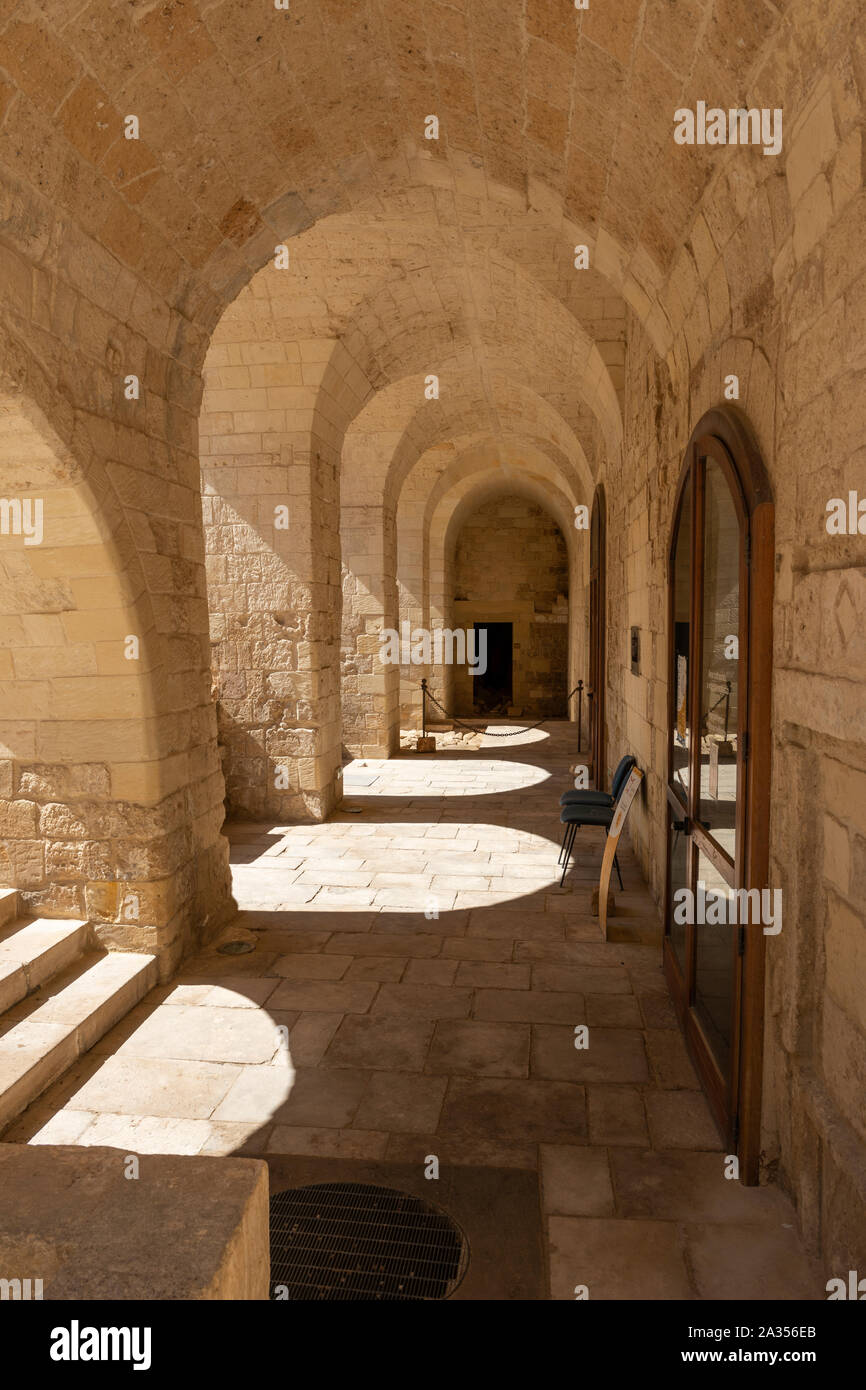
x,y
727,427
598,639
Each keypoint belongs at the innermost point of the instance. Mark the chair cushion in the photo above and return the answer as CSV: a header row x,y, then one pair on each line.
x,y
586,815
585,797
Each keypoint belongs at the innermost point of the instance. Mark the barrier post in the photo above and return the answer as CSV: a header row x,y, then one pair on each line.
x,y
426,743
579,714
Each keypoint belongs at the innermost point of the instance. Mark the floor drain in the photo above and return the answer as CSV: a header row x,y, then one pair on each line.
x,y
236,948
355,1241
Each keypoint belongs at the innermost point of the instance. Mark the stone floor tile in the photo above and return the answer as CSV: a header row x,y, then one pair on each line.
x,y
325,996
146,1134
257,1094
476,1151
752,1264
575,1181
63,1127
380,944
648,980
581,979
241,993
336,878
535,926
483,975
447,924
529,1006
423,1001
680,1120
288,943
309,1035
616,1116
312,967
156,1086
657,1010
616,1259
382,969
326,1143
413,899
470,1048
386,1042
206,1034
587,953
476,948
613,1055
671,1065
317,1098
679,1185
398,1103
238,1138
514,1111
612,1011
430,972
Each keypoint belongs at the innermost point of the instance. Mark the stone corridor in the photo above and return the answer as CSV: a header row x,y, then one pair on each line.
x,y
510,351
410,1035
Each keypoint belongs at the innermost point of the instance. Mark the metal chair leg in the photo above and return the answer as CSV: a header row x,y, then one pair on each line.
x,y
562,846
573,829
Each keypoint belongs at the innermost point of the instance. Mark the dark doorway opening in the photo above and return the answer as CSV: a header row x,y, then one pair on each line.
x,y
492,688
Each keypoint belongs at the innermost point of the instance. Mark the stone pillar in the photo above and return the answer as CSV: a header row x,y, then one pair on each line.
x,y
370,685
270,453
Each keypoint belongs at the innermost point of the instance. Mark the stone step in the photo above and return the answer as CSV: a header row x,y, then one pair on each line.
x,y
33,950
66,1019
8,905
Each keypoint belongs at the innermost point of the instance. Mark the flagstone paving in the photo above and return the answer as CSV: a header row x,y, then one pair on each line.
x,y
417,980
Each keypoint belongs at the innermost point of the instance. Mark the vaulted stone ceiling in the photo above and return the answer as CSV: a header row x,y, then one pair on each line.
x,y
555,129
256,122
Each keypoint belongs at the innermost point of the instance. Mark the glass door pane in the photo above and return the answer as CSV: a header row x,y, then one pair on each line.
x,y
682,581
720,638
715,961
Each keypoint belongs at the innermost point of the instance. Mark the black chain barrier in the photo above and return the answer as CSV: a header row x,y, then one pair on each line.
x,y
490,733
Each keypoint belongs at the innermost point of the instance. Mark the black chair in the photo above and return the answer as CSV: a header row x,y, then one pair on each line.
x,y
584,796
599,798
574,815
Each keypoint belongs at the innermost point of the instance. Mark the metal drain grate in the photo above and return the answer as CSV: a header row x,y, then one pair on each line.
x,y
349,1240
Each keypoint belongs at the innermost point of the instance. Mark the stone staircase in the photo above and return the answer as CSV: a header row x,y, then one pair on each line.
x,y
58,995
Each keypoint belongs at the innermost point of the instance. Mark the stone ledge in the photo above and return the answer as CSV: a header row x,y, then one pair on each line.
x,y
185,1228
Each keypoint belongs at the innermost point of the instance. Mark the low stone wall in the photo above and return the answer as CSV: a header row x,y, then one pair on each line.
x,y
184,1228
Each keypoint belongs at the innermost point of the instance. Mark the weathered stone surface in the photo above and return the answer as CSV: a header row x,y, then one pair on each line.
x,y
212,1215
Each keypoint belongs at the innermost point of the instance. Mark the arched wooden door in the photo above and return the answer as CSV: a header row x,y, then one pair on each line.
x,y
720,651
597,621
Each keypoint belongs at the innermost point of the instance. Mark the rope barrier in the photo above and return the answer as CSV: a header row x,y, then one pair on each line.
x,y
488,733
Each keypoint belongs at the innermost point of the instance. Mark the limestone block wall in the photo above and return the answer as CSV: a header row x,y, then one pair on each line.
x,y
370,687
413,567
770,289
